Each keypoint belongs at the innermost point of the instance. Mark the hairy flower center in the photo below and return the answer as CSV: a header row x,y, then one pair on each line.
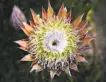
x,y
53,41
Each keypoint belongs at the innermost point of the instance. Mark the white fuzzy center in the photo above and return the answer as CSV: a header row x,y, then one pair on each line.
x,y
55,40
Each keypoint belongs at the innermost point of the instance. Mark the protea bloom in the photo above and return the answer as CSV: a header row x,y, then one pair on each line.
x,y
54,42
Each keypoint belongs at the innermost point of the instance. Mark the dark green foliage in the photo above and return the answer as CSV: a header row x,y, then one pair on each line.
x,y
11,70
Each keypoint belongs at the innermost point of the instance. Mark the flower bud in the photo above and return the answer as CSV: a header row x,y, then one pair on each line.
x,y
17,17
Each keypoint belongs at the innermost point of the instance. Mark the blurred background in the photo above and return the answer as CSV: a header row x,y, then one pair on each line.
x,y
11,70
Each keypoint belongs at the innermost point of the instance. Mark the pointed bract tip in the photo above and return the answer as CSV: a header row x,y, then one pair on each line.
x,y
62,5
87,39
37,68
50,11
76,22
62,12
67,71
22,43
32,10
84,31
44,13
82,25
36,17
49,5
52,74
80,59
74,67
27,58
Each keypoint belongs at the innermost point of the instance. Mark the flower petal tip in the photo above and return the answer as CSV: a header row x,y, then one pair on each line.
x,y
22,43
80,59
35,17
37,68
27,58
52,74
76,22
74,67
44,13
67,71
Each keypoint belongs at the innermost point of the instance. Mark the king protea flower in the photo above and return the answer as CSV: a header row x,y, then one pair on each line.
x,y
54,42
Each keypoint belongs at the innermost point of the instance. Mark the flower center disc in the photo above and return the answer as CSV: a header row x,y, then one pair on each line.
x,y
54,41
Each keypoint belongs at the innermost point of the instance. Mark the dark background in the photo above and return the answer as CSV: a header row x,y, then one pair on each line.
x,y
11,70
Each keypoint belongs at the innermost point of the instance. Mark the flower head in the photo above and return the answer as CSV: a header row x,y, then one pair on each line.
x,y
54,42
17,17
